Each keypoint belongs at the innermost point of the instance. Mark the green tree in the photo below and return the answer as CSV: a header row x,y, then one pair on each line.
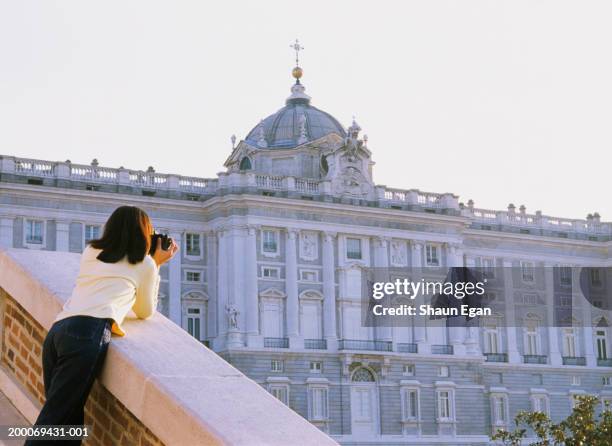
x,y
581,428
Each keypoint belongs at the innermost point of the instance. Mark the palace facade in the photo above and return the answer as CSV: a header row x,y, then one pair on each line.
x,y
268,276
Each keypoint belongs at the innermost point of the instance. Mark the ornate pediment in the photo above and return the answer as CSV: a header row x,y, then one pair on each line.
x,y
273,293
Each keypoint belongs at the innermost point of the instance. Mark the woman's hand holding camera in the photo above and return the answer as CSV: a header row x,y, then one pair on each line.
x,y
160,255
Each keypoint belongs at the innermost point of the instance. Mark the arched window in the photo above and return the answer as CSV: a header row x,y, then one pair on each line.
x,y
245,163
324,165
362,375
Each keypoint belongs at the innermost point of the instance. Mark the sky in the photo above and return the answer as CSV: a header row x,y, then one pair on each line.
x,y
495,101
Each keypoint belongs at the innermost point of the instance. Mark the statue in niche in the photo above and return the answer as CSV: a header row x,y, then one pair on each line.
x,y
398,253
308,245
232,316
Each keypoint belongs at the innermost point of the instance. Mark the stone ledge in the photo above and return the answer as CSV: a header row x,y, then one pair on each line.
x,y
183,392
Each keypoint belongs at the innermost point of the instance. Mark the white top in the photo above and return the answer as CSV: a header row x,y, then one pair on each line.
x,y
110,290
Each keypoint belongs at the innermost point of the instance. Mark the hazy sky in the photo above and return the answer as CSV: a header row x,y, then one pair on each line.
x,y
495,101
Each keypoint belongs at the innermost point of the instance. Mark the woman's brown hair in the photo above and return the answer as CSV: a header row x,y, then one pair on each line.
x,y
127,232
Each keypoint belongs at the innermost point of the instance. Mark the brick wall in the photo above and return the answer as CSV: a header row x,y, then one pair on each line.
x,y
21,356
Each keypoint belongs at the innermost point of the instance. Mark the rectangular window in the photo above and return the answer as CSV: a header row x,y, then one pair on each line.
x,y
193,276
192,245
565,275
607,380
602,348
527,271
269,241
431,255
531,340
539,403
529,299
443,371
193,322
276,365
317,403
486,265
575,380
307,275
268,272
491,340
92,232
353,248
569,342
444,405
280,392
316,366
34,232
595,277
499,410
411,404
409,370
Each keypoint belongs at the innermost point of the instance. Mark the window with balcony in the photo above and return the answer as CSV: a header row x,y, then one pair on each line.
x,y
601,342
491,339
532,338
569,343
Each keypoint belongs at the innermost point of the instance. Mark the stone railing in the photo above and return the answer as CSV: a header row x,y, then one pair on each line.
x,y
411,199
105,175
522,219
159,385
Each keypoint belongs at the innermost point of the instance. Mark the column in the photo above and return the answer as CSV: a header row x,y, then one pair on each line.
x,y
329,291
553,331
420,326
236,297
6,231
456,325
62,235
174,282
251,288
211,280
587,317
291,287
472,341
381,260
222,286
513,353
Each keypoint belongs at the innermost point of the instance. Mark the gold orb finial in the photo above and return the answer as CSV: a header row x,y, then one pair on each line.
x,y
297,72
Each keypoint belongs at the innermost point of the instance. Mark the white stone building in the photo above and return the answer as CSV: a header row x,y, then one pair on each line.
x,y
272,250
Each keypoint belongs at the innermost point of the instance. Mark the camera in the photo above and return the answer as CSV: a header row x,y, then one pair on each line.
x,y
166,241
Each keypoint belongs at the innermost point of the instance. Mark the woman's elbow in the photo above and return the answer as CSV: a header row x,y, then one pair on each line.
x,y
145,314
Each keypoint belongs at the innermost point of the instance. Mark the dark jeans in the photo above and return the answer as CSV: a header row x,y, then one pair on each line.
x,y
73,353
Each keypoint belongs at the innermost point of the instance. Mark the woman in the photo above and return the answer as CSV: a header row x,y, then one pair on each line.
x,y
117,274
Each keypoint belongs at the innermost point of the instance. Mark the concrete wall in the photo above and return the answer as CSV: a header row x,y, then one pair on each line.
x,y
158,385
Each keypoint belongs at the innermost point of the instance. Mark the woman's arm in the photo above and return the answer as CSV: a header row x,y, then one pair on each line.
x,y
146,291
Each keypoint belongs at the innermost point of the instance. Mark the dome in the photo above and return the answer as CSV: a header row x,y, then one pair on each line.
x,y
296,123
